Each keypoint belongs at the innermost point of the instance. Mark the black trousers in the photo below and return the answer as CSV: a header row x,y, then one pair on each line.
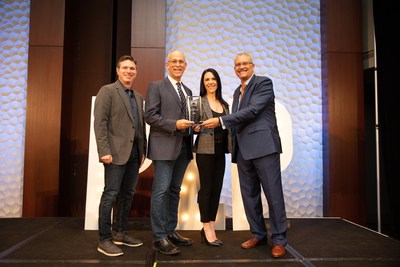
x,y
211,170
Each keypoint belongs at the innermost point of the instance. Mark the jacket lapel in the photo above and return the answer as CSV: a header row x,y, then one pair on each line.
x,y
172,91
206,107
247,93
124,98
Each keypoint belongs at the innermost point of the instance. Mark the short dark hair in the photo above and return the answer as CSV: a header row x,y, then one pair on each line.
x,y
126,57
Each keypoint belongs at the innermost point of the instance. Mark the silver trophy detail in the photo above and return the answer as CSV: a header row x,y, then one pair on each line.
x,y
194,108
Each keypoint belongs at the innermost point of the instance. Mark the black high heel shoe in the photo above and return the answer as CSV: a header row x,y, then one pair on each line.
x,y
219,241
204,240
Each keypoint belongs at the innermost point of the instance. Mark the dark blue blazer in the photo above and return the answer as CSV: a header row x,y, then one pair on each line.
x,y
253,120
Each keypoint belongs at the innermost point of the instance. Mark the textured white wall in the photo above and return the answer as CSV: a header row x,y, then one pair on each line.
x,y
284,39
14,34
282,36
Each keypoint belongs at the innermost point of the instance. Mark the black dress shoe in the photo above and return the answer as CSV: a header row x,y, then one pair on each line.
x,y
165,247
178,240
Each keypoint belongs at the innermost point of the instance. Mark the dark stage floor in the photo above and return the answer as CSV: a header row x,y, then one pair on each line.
x,y
312,242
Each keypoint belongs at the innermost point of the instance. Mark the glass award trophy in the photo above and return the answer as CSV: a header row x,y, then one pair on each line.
x,y
194,108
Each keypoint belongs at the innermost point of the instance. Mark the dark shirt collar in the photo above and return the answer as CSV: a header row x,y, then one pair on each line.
x,y
123,86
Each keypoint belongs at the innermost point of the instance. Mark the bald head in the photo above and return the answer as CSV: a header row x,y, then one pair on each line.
x,y
176,64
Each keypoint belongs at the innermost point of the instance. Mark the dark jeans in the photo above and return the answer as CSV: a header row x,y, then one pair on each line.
x,y
119,187
168,177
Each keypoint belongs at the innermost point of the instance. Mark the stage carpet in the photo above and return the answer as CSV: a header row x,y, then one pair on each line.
x,y
312,242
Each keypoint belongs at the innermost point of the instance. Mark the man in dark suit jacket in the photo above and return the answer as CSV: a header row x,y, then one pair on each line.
x,y
121,144
256,149
170,148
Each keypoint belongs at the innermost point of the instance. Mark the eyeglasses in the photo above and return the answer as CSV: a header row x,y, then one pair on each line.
x,y
244,64
177,62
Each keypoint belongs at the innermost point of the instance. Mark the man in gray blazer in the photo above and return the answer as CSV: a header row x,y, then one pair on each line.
x,y
256,149
121,144
170,148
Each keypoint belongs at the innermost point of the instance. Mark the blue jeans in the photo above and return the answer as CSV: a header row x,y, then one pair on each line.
x,y
119,187
168,177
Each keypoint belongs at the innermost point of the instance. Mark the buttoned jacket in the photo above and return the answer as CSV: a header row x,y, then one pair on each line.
x,y
162,109
253,120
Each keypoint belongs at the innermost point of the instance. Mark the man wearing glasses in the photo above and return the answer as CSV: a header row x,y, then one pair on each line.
x,y
170,148
256,150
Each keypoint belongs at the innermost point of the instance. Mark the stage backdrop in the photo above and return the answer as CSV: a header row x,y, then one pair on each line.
x,y
284,39
14,40
282,36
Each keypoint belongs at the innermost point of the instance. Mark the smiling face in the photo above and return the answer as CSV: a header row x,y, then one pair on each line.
x,y
127,72
210,83
244,67
176,65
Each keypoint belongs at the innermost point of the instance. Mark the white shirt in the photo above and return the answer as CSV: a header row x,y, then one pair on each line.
x,y
176,87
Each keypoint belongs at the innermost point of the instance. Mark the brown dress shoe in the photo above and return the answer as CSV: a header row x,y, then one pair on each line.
x,y
253,242
278,251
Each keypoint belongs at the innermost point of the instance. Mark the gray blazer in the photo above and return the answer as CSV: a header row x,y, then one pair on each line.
x,y
205,140
163,108
114,126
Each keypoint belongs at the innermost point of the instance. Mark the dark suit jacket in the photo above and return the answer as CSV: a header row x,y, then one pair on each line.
x,y
162,109
114,126
254,122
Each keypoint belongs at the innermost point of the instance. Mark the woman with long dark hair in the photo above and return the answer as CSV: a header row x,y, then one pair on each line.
x,y
210,148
